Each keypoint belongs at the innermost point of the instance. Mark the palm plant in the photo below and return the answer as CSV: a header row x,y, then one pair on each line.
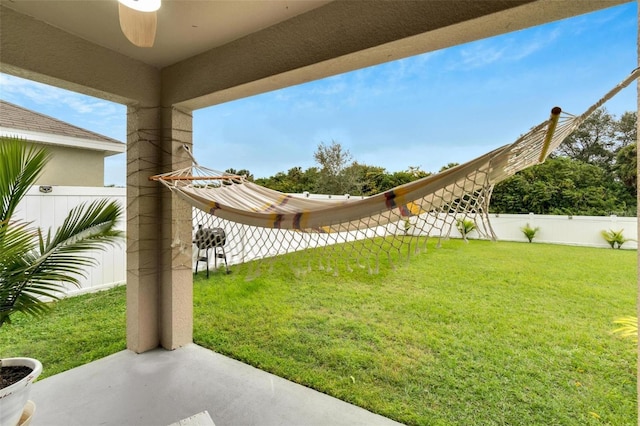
x,y
34,265
465,226
614,238
529,232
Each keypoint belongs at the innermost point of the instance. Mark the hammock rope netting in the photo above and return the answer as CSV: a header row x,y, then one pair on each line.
x,y
260,223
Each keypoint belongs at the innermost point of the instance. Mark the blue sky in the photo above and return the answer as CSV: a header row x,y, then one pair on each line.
x,y
429,110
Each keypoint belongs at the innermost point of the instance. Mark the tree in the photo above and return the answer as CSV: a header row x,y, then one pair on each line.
x,y
335,176
34,264
560,186
370,179
242,172
333,159
294,181
626,130
404,176
626,167
448,166
593,142
417,172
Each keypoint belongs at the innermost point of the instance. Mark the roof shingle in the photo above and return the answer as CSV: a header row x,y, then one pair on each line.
x,y
16,117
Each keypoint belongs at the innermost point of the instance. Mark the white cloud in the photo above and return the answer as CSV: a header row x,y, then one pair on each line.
x,y
506,48
43,94
479,55
100,116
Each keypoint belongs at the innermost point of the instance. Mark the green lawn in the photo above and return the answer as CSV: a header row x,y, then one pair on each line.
x,y
480,333
79,330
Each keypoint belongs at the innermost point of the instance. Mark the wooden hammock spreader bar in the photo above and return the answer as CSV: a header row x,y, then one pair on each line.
x,y
553,123
168,178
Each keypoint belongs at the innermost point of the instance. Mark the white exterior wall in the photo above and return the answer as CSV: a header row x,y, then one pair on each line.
x,y
48,211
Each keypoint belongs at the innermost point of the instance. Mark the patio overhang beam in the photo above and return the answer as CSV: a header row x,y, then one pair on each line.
x,y
344,36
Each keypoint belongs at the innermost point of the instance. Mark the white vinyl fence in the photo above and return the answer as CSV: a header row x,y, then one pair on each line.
x,y
569,230
48,210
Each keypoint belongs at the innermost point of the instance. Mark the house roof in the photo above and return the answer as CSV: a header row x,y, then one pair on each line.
x,y
21,122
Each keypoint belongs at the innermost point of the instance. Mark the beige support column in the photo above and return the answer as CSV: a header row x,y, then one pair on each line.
x,y
159,280
176,291
143,228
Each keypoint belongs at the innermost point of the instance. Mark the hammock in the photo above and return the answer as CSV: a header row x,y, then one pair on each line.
x,y
273,223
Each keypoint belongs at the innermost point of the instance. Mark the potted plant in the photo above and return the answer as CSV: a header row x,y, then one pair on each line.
x,y
34,265
16,376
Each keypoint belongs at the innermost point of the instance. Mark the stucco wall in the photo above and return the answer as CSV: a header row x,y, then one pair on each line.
x,y
73,167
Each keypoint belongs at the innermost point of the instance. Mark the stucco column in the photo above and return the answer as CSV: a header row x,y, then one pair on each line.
x,y
176,279
159,280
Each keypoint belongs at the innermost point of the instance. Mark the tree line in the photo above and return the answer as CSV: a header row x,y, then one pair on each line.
x,y
593,172
336,173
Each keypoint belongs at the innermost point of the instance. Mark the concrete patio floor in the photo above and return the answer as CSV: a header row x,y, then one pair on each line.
x,y
162,387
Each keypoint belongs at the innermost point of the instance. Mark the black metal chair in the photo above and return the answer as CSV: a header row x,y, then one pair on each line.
x,y
208,239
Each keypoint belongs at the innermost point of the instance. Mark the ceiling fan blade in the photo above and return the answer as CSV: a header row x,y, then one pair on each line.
x,y
138,27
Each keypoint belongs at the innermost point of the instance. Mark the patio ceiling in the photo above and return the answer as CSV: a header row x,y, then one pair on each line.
x,y
185,28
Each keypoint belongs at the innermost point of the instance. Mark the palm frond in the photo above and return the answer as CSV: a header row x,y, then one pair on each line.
x,y
16,238
21,166
87,223
26,303
87,227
